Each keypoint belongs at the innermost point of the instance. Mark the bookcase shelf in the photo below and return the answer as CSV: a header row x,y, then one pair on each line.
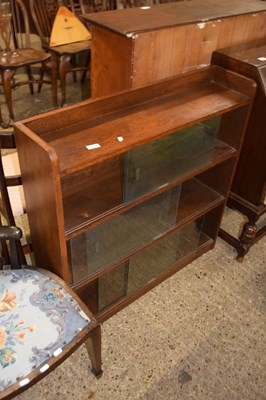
x,y
123,191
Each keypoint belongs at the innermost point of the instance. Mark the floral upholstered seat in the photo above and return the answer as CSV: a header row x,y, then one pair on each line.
x,y
42,321
39,323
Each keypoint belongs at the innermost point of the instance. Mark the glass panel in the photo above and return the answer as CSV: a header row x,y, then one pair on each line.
x,y
121,235
112,286
89,193
165,160
152,262
149,264
92,191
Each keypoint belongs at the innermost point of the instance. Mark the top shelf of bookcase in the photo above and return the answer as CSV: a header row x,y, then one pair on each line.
x,y
94,131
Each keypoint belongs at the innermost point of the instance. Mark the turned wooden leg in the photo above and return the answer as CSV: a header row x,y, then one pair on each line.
x,y
73,65
1,117
84,74
51,65
42,71
30,78
246,239
7,76
64,67
94,347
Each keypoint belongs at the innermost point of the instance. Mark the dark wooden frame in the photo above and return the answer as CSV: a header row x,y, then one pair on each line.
x,y
248,191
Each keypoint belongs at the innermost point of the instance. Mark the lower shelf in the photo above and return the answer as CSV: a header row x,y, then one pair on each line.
x,y
124,235
129,280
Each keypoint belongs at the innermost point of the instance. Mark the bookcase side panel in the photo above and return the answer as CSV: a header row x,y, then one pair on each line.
x,y
111,62
42,188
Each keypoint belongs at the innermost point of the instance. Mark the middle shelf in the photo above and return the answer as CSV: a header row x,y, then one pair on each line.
x,y
122,236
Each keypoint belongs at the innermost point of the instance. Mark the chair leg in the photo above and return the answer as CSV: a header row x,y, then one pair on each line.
x,y
42,71
7,76
93,345
84,73
74,64
30,78
1,119
64,67
51,65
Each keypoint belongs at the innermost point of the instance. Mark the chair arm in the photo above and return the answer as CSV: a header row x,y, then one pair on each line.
x,y
10,232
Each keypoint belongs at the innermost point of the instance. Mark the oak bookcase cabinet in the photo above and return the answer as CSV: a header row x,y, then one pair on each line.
x,y
123,191
248,191
137,46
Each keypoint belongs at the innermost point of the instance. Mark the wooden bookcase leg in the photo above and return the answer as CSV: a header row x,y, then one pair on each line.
x,y
246,239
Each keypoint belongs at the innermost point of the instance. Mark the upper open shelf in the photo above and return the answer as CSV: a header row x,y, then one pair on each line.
x,y
95,131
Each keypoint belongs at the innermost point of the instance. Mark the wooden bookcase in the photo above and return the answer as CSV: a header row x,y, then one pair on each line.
x,y
248,191
123,191
138,46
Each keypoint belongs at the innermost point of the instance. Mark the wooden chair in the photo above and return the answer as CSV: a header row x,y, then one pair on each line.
x,y
132,3
72,5
143,3
98,5
12,201
43,14
24,56
30,296
169,1
136,3
42,321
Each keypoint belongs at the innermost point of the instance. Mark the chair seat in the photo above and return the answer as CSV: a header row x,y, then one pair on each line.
x,y
71,48
30,301
22,57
